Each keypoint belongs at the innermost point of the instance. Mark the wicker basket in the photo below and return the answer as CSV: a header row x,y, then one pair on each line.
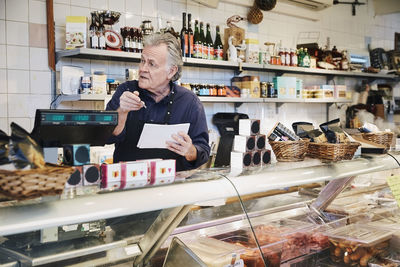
x,y
27,184
289,150
332,152
382,138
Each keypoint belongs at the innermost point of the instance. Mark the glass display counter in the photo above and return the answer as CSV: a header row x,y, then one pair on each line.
x,y
98,228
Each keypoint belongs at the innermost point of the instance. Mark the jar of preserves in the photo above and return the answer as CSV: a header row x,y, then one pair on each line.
x,y
264,88
271,90
282,56
287,57
186,85
221,90
212,90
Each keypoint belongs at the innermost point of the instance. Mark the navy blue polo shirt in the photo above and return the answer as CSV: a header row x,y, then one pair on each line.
x,y
186,108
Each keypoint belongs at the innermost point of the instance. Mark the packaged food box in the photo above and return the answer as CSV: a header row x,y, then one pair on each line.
x,y
75,32
358,244
340,91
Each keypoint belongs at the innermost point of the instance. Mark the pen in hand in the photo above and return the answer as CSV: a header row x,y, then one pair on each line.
x,y
137,94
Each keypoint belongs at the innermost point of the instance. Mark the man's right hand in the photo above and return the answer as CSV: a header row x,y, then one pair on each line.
x,y
127,102
130,101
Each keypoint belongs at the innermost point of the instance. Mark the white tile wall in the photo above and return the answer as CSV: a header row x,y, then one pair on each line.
x,y
40,82
2,9
37,12
60,13
3,81
80,11
82,3
17,57
66,2
38,59
4,125
17,33
18,81
99,4
133,7
149,8
38,102
3,56
2,31
116,5
17,10
3,106
18,105
23,122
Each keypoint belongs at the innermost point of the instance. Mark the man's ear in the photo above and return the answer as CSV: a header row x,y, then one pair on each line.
x,y
172,71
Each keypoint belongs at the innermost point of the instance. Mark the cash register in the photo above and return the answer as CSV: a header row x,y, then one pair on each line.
x,y
60,128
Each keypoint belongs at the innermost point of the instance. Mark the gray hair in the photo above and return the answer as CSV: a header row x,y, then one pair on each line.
x,y
174,50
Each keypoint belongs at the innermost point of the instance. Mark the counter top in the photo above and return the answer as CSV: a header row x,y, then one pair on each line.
x,y
25,218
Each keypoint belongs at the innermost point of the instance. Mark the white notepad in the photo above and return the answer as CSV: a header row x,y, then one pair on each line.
x,y
155,135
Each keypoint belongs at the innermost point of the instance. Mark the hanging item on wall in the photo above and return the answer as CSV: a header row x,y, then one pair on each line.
x,y
255,15
266,5
232,20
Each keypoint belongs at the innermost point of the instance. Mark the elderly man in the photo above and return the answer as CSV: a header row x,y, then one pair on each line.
x,y
154,98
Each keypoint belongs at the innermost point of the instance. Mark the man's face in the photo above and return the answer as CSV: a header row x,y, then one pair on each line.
x,y
154,73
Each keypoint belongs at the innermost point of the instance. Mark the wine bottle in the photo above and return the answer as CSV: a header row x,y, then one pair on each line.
x,y
184,37
102,37
218,48
197,41
94,40
190,36
210,44
203,42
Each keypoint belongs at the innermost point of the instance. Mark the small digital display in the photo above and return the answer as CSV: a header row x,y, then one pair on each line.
x,y
80,117
55,117
104,118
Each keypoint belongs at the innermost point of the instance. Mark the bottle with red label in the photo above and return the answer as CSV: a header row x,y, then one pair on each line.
x,y
210,44
218,48
190,37
293,58
287,57
184,37
282,56
197,47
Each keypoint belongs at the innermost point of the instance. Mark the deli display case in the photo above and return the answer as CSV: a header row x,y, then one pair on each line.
x,y
273,223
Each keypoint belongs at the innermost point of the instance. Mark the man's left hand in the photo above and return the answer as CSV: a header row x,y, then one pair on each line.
x,y
183,146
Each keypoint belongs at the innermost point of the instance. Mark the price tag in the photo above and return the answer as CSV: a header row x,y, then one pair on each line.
x,y
394,184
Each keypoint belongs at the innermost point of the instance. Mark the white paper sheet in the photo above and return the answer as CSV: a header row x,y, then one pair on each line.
x,y
155,135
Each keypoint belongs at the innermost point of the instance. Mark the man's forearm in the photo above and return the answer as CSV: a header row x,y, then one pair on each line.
x,y
122,116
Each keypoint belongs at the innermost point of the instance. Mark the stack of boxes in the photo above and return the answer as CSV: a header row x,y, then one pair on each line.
x,y
288,87
133,174
249,146
85,174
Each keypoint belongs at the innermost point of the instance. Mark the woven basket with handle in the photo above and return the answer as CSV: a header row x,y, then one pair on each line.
x,y
289,150
332,152
27,184
382,138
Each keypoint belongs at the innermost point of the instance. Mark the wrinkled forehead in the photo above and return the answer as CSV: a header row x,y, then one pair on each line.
x,y
156,53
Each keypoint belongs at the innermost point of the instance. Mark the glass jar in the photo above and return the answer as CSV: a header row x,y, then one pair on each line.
x,y
264,89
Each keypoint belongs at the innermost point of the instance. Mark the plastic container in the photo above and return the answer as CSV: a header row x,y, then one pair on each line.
x,y
358,244
216,253
251,254
295,233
